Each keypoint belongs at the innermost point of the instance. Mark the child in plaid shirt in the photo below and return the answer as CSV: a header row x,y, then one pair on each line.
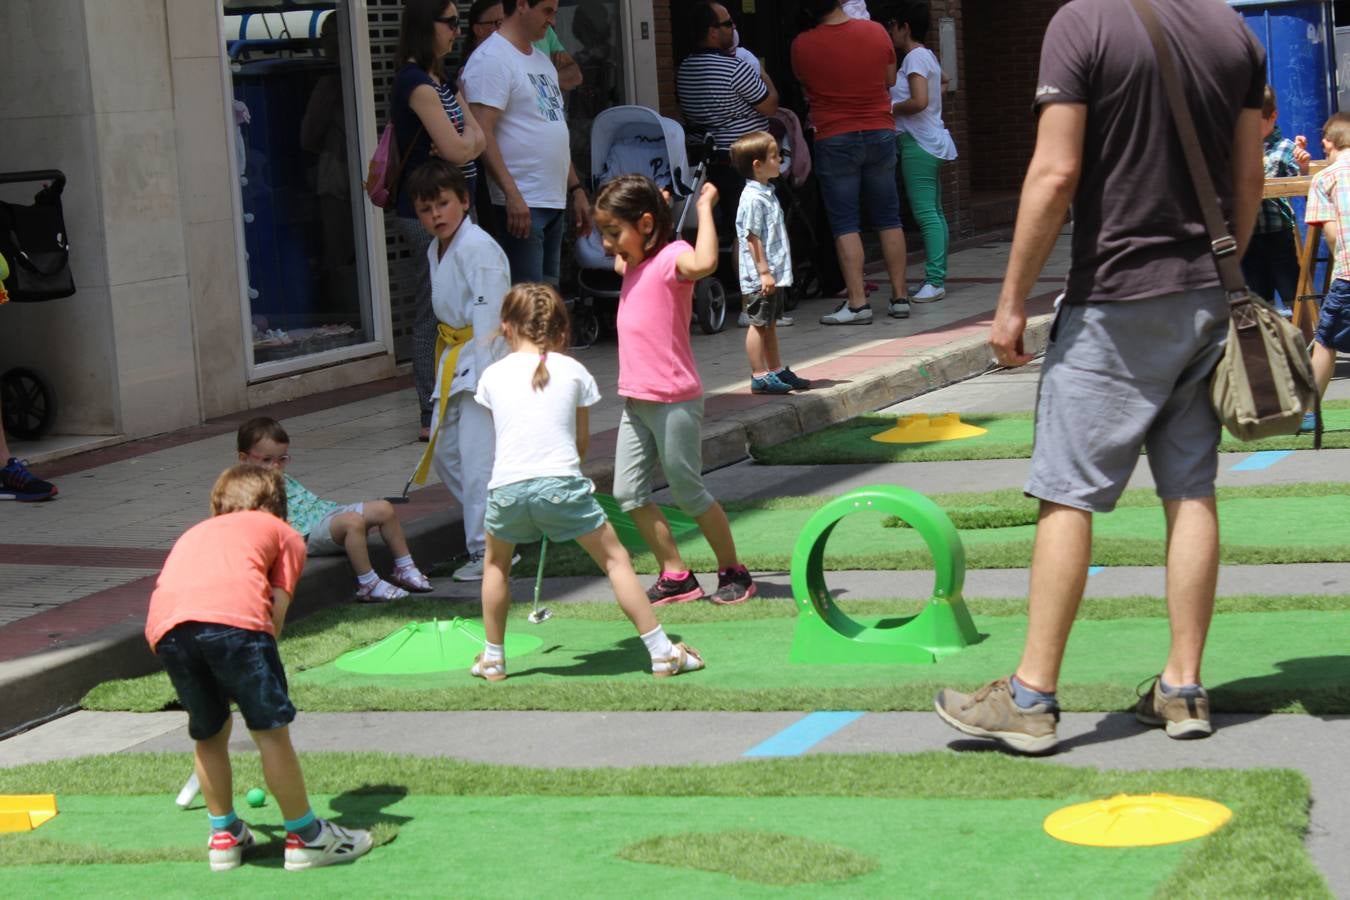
x,y
1271,263
1329,205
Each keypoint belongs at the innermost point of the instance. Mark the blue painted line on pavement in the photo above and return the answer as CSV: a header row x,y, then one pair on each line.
x,y
803,734
1263,459
1093,570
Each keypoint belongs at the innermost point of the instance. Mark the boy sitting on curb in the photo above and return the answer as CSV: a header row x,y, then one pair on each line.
x,y
330,528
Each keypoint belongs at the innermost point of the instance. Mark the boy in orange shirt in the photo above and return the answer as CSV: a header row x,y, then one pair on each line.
x,y
217,609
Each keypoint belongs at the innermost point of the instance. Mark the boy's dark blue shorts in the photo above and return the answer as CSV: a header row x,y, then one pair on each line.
x,y
1333,328
210,665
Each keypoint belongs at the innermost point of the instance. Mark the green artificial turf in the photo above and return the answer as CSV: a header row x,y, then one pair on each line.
x,y
1262,524
1009,437
764,857
1265,654
935,824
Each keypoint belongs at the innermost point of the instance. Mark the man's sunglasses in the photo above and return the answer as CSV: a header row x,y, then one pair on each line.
x,y
448,21
729,23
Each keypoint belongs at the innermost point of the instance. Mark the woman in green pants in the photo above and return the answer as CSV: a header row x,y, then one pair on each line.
x,y
922,141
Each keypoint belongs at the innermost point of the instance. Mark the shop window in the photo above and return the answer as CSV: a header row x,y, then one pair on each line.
x,y
295,142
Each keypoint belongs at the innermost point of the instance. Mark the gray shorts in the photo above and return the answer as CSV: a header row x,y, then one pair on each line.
x,y
320,541
763,310
1121,376
560,509
671,433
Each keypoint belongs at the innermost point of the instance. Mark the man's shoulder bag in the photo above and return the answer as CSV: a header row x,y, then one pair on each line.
x,y
1264,384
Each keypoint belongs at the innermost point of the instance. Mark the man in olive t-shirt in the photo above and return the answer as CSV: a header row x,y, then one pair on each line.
x,y
1141,327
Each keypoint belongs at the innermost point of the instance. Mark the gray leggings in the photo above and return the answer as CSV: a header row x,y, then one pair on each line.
x,y
669,433
424,322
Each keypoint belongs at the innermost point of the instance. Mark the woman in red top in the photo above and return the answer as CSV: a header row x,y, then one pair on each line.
x,y
845,66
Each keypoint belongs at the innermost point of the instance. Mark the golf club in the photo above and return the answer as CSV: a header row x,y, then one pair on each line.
x,y
189,791
539,615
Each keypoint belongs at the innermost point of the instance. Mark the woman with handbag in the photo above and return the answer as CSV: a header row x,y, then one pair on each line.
x,y
430,119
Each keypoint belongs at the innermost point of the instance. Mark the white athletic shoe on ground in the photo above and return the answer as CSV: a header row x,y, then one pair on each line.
x,y
473,569
928,293
334,844
845,315
898,309
227,851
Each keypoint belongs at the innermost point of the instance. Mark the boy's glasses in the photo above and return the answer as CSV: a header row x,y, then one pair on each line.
x,y
448,21
270,460
490,23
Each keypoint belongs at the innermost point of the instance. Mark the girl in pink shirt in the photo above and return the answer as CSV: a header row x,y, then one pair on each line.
x,y
663,397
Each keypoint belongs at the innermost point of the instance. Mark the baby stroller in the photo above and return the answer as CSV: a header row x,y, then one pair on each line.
x,y
628,140
35,260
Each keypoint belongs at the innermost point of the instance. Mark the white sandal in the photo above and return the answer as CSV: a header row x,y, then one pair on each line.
x,y
489,669
686,659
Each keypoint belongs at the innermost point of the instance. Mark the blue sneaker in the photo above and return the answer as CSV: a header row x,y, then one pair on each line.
x,y
17,483
1309,423
769,383
793,380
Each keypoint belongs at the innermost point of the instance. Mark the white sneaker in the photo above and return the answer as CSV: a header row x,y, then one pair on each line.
x,y
899,309
225,851
846,315
334,844
928,293
473,569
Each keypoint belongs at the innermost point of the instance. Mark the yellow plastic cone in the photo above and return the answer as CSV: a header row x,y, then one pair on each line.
x,y
24,812
921,428
1137,820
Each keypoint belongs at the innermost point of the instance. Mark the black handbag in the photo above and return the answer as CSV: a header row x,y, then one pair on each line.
x,y
34,242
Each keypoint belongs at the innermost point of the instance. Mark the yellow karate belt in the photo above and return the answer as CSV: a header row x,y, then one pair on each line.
x,y
454,339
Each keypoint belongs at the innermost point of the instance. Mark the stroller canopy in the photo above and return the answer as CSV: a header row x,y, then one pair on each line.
x,y
629,125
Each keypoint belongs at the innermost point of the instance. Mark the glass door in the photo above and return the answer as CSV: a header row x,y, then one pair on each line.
x,y
593,32
297,158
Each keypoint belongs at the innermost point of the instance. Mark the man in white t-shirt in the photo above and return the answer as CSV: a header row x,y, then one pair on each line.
x,y
513,91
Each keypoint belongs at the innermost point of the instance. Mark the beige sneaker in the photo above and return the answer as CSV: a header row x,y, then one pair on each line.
x,y
1183,717
991,713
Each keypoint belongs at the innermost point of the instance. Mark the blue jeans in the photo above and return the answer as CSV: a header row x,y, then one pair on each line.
x,y
857,169
210,665
534,258
1333,328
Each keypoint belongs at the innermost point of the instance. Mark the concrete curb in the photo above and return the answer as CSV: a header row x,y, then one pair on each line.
x,y
38,687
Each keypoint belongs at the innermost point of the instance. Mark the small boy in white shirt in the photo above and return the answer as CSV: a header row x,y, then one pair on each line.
x,y
765,262
469,277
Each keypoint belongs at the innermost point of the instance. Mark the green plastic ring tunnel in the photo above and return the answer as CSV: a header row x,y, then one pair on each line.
x,y
825,634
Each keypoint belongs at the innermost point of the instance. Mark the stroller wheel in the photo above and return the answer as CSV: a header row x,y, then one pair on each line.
x,y
710,305
585,326
29,405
